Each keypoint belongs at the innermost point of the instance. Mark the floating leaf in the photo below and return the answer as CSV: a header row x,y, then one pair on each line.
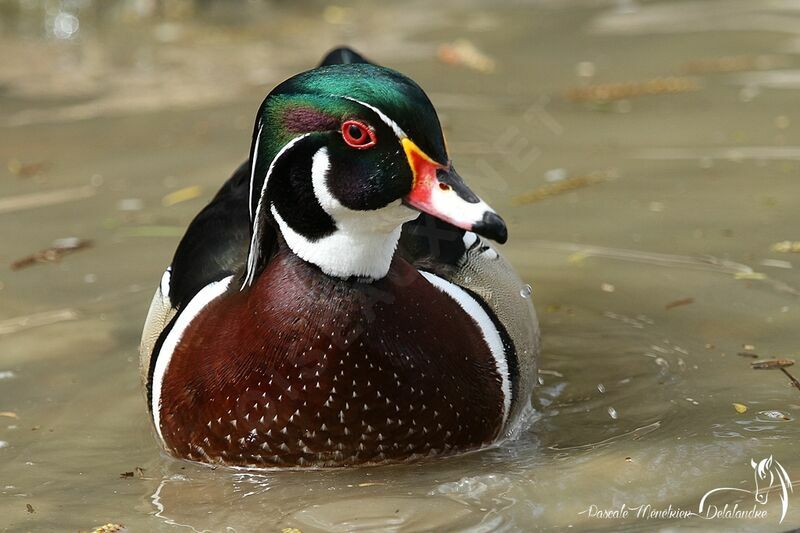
x,y
60,248
606,92
464,52
182,195
740,408
786,247
558,187
750,275
152,231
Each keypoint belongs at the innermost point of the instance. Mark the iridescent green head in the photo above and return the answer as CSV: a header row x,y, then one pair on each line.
x,y
342,156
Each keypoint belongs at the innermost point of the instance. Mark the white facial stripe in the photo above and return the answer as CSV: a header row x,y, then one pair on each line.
x,y
363,243
320,164
254,157
487,328
252,256
342,254
200,300
389,122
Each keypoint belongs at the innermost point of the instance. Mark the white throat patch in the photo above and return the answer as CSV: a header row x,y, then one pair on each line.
x,y
364,241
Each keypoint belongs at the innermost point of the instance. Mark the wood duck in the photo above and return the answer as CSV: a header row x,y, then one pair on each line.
x,y
335,304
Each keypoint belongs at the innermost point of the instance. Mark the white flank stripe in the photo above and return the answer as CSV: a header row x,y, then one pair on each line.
x,y
487,327
252,256
389,122
254,158
208,293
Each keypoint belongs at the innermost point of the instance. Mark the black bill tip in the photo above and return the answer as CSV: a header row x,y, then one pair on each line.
x,y
492,227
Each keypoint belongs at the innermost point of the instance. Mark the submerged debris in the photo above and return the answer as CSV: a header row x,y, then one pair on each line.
x,y
26,170
773,415
607,92
464,52
109,528
11,204
792,379
59,249
780,364
679,303
556,188
732,64
138,472
768,364
45,318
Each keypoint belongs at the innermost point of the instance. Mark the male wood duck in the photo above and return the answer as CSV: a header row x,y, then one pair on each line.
x,y
335,304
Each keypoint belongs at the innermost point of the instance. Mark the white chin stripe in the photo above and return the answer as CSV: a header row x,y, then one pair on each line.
x,y
363,242
349,251
252,256
487,328
200,300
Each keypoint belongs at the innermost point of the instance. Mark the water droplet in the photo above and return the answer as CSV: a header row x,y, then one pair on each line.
x,y
65,25
526,291
613,413
555,174
585,69
601,388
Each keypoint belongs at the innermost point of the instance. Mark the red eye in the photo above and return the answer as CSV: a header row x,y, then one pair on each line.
x,y
358,135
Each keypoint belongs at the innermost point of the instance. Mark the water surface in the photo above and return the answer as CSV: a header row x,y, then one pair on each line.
x,y
636,403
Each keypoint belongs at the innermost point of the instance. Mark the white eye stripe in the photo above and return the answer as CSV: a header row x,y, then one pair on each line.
x,y
254,157
252,255
389,122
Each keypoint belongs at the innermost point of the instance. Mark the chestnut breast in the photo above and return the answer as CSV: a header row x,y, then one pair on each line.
x,y
307,370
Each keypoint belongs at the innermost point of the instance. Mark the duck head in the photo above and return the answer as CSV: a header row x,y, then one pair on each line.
x,y
342,156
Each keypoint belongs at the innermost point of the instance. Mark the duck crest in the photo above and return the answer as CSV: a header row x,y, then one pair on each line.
x,y
353,373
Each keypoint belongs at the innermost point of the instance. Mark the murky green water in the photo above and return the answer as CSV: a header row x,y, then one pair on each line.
x,y
636,406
